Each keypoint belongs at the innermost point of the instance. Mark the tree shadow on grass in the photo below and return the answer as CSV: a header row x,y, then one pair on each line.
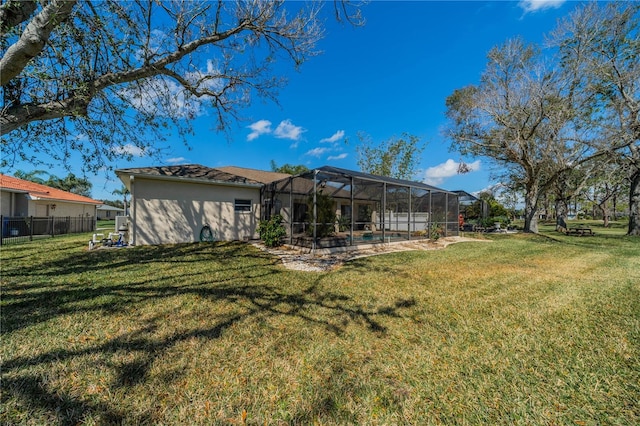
x,y
61,408
25,304
249,294
103,260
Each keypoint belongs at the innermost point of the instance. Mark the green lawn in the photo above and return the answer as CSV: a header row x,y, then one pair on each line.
x,y
524,330
106,224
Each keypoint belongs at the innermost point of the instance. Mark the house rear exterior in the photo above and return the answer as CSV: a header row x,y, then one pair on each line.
x,y
173,204
176,204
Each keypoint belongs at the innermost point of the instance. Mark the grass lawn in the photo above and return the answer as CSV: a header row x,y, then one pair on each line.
x,y
524,330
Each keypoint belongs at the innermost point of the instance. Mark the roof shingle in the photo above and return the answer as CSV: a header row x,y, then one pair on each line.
x,y
197,171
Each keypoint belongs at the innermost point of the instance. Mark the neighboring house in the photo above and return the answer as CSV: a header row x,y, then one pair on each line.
x,y
107,212
22,198
172,204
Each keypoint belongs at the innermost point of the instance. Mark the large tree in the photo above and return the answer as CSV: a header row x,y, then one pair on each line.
x,y
516,117
600,51
108,78
603,187
292,169
396,157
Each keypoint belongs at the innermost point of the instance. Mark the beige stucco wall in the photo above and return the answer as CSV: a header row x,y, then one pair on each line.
x,y
18,204
63,209
14,204
166,212
6,204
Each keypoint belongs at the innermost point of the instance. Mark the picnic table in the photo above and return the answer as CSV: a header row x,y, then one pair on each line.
x,y
580,230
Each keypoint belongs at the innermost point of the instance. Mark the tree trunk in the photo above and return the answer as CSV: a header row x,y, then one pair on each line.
x,y
562,211
531,210
605,213
634,202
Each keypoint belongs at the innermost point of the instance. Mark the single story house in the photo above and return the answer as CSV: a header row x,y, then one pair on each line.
x,y
174,204
107,212
23,198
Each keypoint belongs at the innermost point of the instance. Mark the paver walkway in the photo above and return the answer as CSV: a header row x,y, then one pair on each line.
x,y
326,260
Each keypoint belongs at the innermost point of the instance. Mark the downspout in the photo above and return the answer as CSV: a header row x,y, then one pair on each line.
x,y
132,210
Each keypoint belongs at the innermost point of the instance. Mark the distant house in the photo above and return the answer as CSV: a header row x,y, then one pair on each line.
x,y
175,204
22,198
106,212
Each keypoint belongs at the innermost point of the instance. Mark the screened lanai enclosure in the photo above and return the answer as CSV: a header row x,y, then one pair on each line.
x,y
331,207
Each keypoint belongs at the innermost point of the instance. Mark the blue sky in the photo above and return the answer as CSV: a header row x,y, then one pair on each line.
x,y
388,77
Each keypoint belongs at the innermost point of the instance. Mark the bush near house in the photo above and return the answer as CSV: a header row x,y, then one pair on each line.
x,y
272,231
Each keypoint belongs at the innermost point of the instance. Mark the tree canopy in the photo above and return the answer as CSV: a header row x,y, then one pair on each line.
x,y
292,169
396,157
599,49
108,78
541,116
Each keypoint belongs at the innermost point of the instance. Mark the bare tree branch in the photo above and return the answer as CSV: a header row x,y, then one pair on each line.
x,y
111,68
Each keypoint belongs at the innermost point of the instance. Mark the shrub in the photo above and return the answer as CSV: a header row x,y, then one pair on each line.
x,y
344,223
435,232
271,231
326,216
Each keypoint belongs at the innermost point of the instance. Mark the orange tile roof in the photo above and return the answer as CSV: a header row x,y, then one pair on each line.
x,y
42,192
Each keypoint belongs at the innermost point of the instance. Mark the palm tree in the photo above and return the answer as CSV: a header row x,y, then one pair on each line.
x,y
32,176
124,192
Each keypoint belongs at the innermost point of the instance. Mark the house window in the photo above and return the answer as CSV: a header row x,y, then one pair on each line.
x,y
242,205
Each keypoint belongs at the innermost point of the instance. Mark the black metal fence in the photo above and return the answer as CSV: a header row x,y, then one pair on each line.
x,y
21,229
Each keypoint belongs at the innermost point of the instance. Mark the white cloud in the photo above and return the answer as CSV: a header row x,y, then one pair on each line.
x,y
333,138
176,160
338,157
535,5
437,174
316,152
258,128
287,130
128,149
